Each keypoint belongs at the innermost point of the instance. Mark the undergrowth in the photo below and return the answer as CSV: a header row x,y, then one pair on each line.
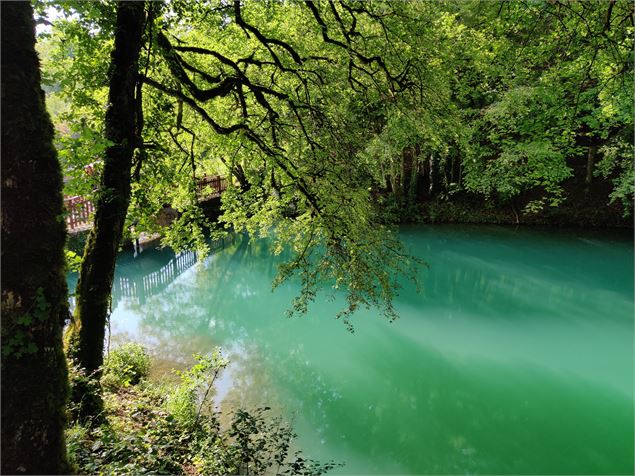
x,y
172,428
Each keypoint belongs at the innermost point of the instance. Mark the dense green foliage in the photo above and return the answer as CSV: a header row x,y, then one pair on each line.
x,y
500,100
565,91
125,366
525,98
172,428
316,109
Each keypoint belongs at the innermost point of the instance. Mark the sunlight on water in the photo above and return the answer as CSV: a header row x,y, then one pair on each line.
x,y
516,358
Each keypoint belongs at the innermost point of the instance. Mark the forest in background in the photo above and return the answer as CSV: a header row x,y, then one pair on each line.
x,y
519,107
335,121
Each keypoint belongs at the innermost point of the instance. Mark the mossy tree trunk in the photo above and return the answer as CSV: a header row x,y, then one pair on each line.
x,y
34,293
87,331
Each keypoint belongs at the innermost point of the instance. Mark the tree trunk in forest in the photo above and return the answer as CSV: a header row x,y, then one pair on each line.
x,y
401,196
590,163
431,175
34,293
87,331
414,182
409,177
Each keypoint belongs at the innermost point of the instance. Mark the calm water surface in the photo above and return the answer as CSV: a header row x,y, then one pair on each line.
x,y
516,357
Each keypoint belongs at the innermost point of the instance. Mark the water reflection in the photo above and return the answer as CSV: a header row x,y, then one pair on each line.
x,y
517,357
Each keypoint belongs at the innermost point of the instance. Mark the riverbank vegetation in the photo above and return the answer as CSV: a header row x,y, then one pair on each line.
x,y
170,426
332,121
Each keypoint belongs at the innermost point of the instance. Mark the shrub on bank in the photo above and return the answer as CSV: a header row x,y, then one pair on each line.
x,y
171,428
126,365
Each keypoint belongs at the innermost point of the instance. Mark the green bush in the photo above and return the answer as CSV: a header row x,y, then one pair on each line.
x,y
186,400
126,365
84,395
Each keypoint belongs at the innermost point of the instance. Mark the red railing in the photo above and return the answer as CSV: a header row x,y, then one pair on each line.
x,y
80,209
79,212
210,186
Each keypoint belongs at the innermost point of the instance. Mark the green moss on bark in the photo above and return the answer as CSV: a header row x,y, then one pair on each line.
x,y
34,293
87,330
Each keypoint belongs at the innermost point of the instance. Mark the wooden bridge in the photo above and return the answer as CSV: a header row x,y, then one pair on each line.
x,y
80,209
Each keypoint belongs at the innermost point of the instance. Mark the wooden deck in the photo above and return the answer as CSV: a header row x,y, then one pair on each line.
x,y
79,216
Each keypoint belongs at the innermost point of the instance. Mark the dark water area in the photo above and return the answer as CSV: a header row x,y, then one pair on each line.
x,y
515,358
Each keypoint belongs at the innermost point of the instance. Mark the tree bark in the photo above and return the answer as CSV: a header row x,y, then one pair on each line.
x,y
34,293
87,331
590,163
431,176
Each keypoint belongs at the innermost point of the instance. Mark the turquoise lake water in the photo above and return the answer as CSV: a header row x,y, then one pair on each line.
x,y
515,358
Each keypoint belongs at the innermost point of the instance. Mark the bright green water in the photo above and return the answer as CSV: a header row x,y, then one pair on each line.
x,y
517,357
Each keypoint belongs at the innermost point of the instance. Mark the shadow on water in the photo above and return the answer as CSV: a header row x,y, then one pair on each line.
x,y
516,358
